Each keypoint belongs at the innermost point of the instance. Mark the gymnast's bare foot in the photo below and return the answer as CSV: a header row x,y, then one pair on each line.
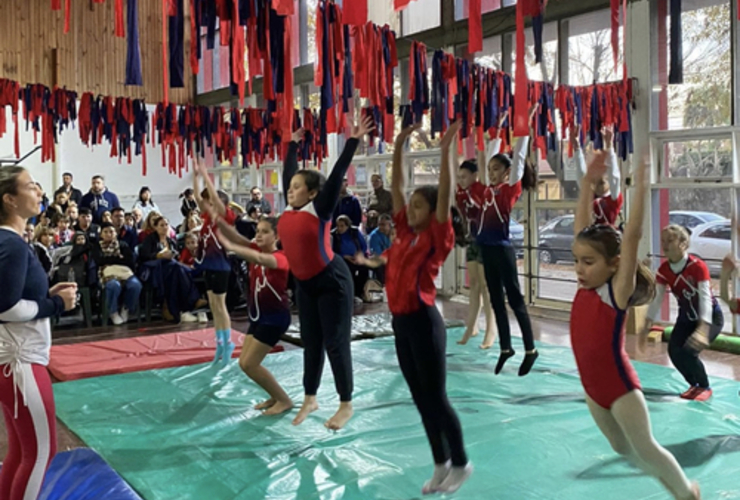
x,y
341,417
265,404
695,491
488,340
466,337
309,406
279,407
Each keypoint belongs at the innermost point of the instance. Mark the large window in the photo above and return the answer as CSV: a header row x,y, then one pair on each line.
x,y
547,69
590,55
705,97
421,15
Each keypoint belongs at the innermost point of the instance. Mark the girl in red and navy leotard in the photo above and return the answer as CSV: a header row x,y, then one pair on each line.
x,y
469,199
324,285
424,240
611,280
700,318
506,177
269,307
608,199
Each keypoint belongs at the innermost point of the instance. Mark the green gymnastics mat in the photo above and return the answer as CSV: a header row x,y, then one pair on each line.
x,y
190,432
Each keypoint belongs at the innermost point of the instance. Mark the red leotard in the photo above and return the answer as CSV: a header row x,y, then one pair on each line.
x,y
597,337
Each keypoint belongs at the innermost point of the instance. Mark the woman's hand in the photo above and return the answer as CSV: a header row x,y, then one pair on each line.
x,y
297,136
68,293
364,127
406,133
608,135
450,134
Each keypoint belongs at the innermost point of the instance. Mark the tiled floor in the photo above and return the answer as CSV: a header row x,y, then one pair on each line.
x,y
550,331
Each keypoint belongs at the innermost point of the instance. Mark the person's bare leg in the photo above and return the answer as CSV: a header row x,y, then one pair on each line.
x,y
250,361
490,336
631,413
471,324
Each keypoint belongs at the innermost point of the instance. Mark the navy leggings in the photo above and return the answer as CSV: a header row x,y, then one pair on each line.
x,y
499,265
421,342
325,305
685,359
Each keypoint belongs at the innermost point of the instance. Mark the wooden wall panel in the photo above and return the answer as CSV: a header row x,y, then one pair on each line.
x,y
89,57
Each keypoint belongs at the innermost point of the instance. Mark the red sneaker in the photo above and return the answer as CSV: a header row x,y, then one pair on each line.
x,y
690,393
703,394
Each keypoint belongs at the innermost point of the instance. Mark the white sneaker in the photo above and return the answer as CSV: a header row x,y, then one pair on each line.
x,y
358,301
124,315
202,317
116,319
188,317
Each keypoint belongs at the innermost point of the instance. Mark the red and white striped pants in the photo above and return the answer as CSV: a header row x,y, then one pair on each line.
x,y
31,435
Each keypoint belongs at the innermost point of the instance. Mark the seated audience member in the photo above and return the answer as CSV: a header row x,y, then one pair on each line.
x,y
30,231
188,202
380,241
125,232
73,214
115,260
187,257
145,202
192,223
138,217
130,222
172,280
42,245
85,225
61,202
106,217
348,241
371,221
247,226
63,232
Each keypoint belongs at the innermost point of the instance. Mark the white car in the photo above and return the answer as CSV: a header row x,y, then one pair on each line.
x,y
711,242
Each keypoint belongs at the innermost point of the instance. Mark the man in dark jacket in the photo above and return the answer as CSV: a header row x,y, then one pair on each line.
x,y
258,201
73,194
99,200
126,234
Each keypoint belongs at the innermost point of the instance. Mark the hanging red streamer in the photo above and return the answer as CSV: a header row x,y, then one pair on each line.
x,y
475,27
120,30
237,52
615,31
286,7
355,12
401,4
521,122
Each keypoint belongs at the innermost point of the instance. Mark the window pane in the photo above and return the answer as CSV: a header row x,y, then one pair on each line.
x,y
700,101
556,275
312,49
421,15
492,55
547,69
590,56
462,9
708,158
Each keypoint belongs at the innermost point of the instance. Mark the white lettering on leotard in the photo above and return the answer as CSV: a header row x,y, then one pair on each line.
x,y
689,293
492,203
259,284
